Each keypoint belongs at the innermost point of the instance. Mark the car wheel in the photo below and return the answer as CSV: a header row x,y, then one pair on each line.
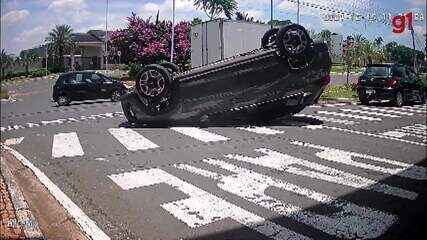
x,y
363,101
156,90
63,101
171,67
115,96
423,96
129,113
269,38
398,99
293,40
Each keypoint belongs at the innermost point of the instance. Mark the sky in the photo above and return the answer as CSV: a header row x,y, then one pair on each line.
x,y
25,23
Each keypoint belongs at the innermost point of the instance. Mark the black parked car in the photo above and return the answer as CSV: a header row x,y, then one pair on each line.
x,y
287,74
78,86
393,82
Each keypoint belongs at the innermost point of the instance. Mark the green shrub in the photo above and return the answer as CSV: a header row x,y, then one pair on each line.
x,y
134,69
4,94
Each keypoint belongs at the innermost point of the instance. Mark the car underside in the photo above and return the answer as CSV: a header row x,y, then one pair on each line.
x,y
287,74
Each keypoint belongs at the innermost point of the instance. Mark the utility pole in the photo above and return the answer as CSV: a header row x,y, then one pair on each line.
x,y
271,14
45,51
173,29
106,38
297,11
415,52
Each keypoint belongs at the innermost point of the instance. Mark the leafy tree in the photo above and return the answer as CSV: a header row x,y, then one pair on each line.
x,y
242,16
27,58
402,54
214,8
145,42
196,21
6,61
279,23
60,42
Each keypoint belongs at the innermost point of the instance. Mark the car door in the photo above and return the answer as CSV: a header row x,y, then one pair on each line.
x,y
105,85
79,87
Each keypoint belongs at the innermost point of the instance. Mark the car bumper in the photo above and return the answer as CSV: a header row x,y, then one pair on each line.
x,y
368,93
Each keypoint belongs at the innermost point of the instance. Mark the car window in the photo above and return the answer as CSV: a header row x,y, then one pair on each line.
x,y
400,72
377,71
96,78
75,78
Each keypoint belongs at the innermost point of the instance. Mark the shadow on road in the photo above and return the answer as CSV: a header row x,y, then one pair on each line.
x,y
283,121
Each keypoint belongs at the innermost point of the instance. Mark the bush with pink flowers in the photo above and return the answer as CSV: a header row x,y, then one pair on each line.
x,y
146,42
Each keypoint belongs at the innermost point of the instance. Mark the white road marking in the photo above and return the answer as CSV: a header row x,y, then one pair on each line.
x,y
316,127
86,224
349,221
261,130
411,129
350,116
370,113
408,109
132,140
66,145
200,134
335,104
387,110
395,134
13,141
334,120
201,208
345,157
302,167
46,123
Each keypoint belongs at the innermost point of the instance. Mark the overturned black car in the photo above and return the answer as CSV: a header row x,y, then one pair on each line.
x,y
288,73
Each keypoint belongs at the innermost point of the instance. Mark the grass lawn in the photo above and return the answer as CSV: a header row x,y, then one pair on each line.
x,y
339,91
342,69
4,94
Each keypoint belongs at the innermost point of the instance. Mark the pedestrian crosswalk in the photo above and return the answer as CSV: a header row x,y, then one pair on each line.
x,y
132,140
66,145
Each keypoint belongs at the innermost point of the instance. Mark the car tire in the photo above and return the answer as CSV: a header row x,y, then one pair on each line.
x,y
269,38
423,96
398,99
129,113
171,67
116,95
63,101
293,41
156,89
364,101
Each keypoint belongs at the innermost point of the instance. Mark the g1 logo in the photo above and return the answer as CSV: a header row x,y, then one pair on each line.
x,y
399,22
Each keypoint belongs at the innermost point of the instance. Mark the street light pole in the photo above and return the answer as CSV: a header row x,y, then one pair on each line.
x,y
271,14
45,46
297,11
106,38
173,30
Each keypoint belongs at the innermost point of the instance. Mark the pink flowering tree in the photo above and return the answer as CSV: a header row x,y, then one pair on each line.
x,y
146,42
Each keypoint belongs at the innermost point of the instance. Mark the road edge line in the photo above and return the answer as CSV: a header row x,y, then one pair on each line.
x,y
87,225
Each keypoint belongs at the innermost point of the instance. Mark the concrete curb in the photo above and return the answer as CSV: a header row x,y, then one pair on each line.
x,y
24,215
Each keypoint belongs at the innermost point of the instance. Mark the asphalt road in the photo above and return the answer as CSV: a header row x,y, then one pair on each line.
x,y
334,171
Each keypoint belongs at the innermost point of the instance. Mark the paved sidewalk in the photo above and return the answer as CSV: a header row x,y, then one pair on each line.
x,y
16,218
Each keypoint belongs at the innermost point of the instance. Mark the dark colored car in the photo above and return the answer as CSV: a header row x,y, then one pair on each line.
x,y
287,74
393,82
79,86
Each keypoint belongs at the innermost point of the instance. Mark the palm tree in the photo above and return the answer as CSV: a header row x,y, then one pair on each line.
x,y
59,42
213,8
27,58
325,36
